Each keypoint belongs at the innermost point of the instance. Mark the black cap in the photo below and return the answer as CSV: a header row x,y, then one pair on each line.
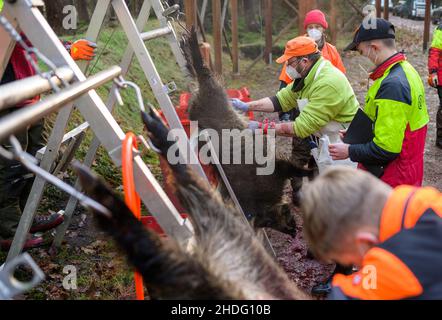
x,y
377,29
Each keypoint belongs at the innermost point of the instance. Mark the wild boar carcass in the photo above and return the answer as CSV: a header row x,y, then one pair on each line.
x,y
228,260
260,196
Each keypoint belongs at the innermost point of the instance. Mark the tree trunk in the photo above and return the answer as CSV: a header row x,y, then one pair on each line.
x,y
54,12
250,9
304,6
82,9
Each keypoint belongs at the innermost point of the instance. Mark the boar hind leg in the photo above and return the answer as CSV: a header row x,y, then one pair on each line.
x,y
168,272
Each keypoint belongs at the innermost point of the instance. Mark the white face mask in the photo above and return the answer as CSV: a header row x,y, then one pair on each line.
x,y
292,73
375,59
315,34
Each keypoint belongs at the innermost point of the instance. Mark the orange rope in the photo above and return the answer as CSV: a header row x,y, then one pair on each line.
x,y
131,196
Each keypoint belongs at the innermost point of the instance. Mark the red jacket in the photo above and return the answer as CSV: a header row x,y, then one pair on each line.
x,y
406,264
22,68
408,168
435,55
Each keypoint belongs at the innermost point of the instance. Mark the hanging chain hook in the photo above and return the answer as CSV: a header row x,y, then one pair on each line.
x,y
173,13
121,83
29,51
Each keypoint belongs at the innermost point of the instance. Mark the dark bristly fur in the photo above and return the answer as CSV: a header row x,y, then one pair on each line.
x,y
225,244
261,196
168,272
228,260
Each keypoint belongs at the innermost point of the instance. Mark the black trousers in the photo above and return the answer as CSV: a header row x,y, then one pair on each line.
x,y
15,180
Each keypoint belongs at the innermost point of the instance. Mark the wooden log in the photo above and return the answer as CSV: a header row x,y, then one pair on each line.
x,y
268,31
217,35
190,11
235,36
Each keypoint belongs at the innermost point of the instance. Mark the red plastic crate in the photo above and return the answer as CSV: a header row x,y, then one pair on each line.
x,y
242,94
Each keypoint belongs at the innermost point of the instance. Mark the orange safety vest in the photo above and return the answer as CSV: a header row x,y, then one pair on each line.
x,y
407,264
329,52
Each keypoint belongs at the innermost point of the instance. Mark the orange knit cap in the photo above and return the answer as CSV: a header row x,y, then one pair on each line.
x,y
298,47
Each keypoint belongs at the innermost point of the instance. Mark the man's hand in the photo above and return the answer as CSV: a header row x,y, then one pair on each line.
x,y
83,50
433,80
239,105
339,151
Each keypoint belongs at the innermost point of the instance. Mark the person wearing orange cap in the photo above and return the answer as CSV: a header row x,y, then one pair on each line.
x,y
322,93
315,25
326,101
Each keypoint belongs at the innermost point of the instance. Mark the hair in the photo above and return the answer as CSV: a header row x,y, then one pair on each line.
x,y
336,203
389,43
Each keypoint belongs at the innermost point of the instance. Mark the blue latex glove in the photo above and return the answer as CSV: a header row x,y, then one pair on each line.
x,y
239,105
254,125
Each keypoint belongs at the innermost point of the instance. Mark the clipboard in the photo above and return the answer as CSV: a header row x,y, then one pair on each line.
x,y
360,131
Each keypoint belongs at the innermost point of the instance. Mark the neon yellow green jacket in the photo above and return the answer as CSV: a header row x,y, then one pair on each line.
x,y
330,96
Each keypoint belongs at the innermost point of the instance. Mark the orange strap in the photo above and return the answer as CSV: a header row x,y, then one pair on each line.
x,y
131,196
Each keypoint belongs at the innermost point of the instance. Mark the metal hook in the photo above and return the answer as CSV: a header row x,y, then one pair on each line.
x,y
173,13
148,144
121,83
31,164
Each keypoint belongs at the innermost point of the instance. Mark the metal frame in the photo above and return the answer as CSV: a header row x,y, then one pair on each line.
x,y
97,114
9,285
22,118
92,108
15,92
135,47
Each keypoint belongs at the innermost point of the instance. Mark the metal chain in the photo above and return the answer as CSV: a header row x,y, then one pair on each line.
x,y
29,51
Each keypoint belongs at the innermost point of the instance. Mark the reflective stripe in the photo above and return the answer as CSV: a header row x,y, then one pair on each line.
x,y
321,66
